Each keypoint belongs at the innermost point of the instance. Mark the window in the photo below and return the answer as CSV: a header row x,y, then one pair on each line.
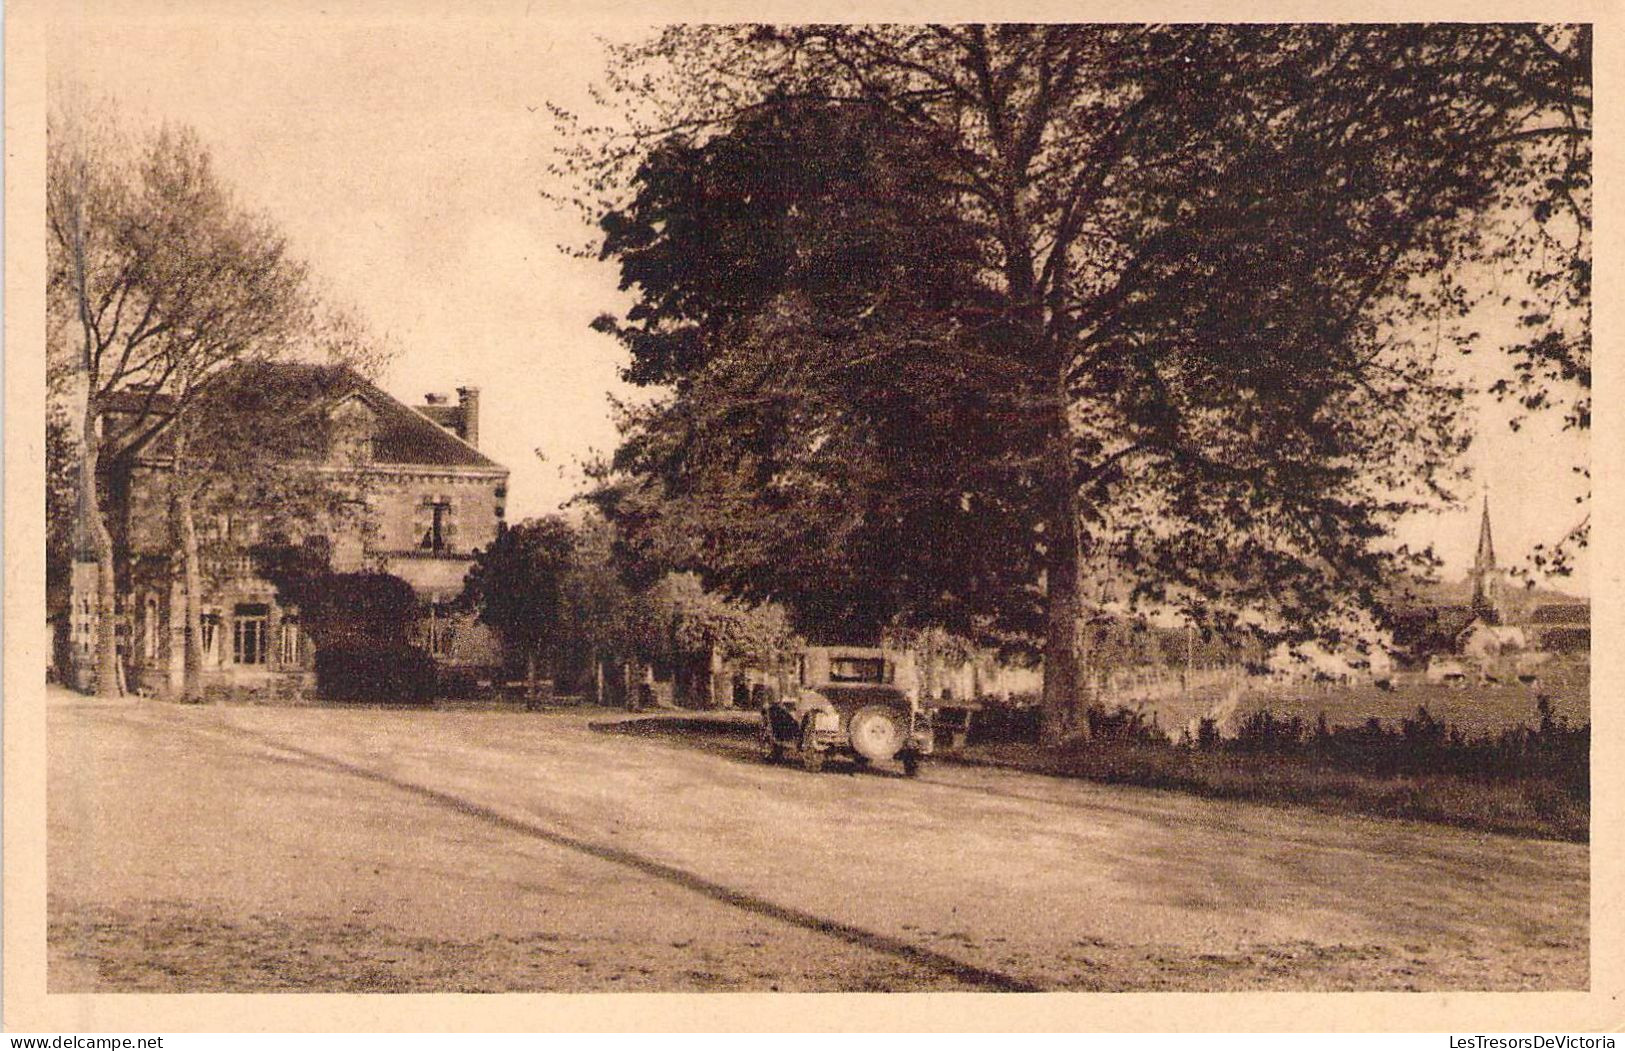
x,y
290,647
437,537
249,627
857,669
211,624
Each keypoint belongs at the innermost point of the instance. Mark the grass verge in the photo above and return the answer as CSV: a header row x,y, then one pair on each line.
x,y
1539,806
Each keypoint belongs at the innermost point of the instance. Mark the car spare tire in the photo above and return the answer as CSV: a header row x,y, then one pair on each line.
x,y
876,733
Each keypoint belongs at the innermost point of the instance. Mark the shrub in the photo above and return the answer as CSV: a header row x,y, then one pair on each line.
x,y
1207,734
457,683
1263,732
373,671
1006,722
1121,724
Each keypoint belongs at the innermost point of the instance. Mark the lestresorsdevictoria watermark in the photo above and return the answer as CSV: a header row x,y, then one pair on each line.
x,y
1565,1042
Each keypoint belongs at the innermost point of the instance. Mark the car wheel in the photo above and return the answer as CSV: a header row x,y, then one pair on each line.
x,y
772,750
875,732
812,760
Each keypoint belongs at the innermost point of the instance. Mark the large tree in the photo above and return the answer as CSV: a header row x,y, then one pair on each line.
x,y
158,280
258,450
1205,257
841,384
518,585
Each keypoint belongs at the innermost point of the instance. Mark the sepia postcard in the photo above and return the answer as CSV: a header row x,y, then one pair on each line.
x,y
1006,517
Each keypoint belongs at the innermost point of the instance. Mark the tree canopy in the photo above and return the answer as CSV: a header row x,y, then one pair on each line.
x,y
157,278
1189,278
837,369
517,582
166,300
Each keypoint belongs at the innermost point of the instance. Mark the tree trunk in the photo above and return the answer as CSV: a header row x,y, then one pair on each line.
x,y
713,677
530,673
107,684
1063,681
90,510
927,658
191,574
192,579
1063,569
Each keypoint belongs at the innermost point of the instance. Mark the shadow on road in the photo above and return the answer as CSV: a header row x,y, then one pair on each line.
x,y
727,736
882,943
687,727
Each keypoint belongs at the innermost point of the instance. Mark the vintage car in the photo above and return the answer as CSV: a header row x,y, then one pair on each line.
x,y
846,703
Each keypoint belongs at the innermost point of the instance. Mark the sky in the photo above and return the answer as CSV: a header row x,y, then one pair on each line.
x,y
407,162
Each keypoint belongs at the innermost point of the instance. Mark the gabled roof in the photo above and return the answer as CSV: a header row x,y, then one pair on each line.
x,y
408,436
403,436
450,416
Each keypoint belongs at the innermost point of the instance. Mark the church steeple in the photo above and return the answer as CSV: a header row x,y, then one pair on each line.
x,y
1486,575
1484,561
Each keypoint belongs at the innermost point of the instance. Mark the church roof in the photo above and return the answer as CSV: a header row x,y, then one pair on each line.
x,y
1485,558
1561,613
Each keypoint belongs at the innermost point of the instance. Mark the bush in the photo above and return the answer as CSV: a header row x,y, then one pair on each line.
x,y
457,683
1004,722
370,671
1121,724
1263,732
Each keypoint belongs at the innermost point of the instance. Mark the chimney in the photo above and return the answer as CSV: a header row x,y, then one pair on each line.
x,y
469,399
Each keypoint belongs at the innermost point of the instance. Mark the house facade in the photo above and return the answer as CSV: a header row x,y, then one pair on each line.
x,y
421,499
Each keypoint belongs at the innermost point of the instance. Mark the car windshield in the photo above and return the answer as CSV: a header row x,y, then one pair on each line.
x,y
857,669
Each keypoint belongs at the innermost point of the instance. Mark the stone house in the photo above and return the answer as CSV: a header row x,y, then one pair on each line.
x,y
428,499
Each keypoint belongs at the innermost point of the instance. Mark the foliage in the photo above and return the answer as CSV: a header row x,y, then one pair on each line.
x,y
167,276
595,603
812,441
517,582
1418,744
669,619
1544,235
1179,273
373,606
358,622
365,608
677,619
1121,724
370,669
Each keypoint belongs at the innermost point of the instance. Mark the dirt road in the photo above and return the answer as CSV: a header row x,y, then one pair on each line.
x,y
255,849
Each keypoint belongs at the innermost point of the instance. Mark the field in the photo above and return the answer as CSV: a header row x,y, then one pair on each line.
x,y
1476,709
1483,757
